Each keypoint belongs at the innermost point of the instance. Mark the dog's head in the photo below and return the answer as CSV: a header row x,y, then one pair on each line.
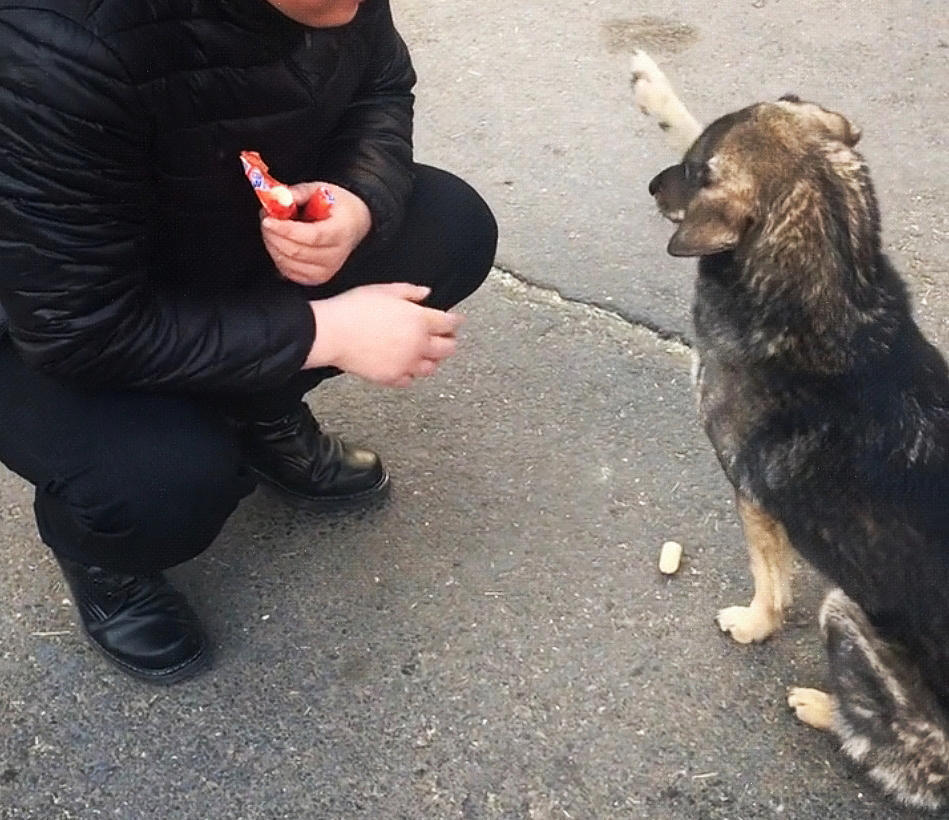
x,y
740,166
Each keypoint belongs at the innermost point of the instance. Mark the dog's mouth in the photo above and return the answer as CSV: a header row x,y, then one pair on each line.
x,y
675,216
669,190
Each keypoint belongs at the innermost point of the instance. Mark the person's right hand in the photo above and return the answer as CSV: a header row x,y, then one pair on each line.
x,y
380,333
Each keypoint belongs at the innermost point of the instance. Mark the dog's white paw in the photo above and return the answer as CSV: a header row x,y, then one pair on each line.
x,y
747,624
652,92
654,95
811,706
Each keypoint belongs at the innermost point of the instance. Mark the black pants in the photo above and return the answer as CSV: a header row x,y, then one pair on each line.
x,y
138,482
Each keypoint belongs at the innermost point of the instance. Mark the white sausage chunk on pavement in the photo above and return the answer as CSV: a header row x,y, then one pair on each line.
x,y
670,557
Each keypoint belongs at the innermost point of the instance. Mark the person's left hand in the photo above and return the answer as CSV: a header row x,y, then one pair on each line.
x,y
310,253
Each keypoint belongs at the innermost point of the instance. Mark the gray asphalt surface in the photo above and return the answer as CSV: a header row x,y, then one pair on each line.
x,y
496,641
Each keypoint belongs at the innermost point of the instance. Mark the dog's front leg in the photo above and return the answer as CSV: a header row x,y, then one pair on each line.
x,y
771,559
655,96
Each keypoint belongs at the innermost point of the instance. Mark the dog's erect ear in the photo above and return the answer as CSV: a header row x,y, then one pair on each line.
x,y
843,129
707,228
837,126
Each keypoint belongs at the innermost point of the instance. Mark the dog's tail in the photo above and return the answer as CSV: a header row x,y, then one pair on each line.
x,y
889,721
655,96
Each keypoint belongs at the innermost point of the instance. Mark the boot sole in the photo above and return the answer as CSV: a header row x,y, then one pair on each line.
x,y
332,503
183,671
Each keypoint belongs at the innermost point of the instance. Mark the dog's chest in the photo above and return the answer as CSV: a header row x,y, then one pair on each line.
x,y
710,382
730,406
729,399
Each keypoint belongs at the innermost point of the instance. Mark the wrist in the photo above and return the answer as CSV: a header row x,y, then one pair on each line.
x,y
357,213
321,353
365,219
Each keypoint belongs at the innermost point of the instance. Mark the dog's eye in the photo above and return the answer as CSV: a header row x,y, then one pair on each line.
x,y
697,173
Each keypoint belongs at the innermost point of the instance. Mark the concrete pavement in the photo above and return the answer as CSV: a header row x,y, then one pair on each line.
x,y
496,642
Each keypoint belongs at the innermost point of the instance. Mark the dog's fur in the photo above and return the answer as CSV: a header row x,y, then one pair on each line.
x,y
829,413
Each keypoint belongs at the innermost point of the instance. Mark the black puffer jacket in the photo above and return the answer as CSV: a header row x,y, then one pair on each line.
x,y
130,249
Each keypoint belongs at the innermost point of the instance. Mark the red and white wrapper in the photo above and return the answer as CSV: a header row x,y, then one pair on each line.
x,y
277,199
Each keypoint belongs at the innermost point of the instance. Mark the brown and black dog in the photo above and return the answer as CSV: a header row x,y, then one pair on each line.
x,y
829,413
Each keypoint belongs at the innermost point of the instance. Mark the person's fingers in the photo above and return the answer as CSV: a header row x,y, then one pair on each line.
x,y
418,293
289,249
443,323
304,265
404,290
286,262
440,347
293,230
303,271
402,381
424,367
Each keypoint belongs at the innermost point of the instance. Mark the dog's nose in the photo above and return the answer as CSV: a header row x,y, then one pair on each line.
x,y
661,180
655,183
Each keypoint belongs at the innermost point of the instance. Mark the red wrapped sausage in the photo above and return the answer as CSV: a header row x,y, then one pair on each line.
x,y
277,198
319,205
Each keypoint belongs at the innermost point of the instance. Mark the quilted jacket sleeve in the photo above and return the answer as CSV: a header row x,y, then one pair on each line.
x,y
74,194
370,152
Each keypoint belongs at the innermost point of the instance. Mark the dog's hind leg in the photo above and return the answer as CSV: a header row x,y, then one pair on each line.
x,y
887,719
654,95
813,707
771,559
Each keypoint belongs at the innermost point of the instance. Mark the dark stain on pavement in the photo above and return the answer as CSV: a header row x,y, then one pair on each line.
x,y
649,33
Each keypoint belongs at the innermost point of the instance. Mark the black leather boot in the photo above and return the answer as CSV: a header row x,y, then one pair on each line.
x,y
140,623
312,468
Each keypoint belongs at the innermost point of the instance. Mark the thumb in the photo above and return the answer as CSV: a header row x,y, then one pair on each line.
x,y
406,290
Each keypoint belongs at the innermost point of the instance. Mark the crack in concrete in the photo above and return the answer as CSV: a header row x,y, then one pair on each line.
x,y
551,296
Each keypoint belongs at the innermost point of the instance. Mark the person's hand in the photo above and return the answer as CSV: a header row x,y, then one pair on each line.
x,y
380,333
310,253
